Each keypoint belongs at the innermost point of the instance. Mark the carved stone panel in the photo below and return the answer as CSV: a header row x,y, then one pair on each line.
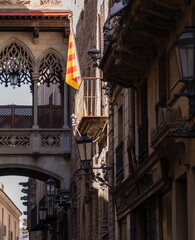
x,y
50,2
14,2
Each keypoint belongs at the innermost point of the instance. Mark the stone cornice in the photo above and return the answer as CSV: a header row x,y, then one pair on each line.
x,y
35,21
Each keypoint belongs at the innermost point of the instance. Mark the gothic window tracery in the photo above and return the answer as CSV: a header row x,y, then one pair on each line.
x,y
50,70
15,62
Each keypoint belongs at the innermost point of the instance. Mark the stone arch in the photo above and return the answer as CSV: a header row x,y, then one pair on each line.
x,y
42,168
28,172
51,67
16,59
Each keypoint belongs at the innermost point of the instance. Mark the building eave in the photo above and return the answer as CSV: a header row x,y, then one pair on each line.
x,y
41,20
145,27
92,126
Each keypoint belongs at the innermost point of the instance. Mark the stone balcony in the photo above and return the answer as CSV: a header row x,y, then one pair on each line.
x,y
90,115
18,135
168,120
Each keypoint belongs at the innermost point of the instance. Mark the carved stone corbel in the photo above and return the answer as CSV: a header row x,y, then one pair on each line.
x,y
66,33
36,35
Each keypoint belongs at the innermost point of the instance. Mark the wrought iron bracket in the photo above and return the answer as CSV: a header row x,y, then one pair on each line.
x,y
183,131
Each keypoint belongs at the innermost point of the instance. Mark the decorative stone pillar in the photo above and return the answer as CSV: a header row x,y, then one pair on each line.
x,y
35,78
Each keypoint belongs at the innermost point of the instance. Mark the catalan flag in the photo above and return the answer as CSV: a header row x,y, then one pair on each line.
x,y
72,71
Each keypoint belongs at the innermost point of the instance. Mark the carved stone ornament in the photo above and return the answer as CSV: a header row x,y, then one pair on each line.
x,y
50,140
15,141
14,2
50,2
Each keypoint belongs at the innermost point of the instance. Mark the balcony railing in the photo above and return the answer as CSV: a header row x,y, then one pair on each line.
x,y
50,116
17,136
89,99
14,116
34,141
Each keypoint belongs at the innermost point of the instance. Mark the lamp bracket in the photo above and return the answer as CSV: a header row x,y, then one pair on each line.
x,y
184,131
187,94
103,181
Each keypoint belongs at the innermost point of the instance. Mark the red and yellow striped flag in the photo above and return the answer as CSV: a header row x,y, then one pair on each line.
x,y
72,71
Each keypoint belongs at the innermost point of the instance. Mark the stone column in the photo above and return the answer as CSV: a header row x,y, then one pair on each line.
x,y
35,78
66,117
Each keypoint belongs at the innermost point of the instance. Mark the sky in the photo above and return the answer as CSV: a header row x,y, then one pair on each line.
x,y
13,189
19,96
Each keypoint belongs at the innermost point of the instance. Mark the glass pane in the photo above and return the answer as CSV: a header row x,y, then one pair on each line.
x,y
82,153
88,150
178,61
187,61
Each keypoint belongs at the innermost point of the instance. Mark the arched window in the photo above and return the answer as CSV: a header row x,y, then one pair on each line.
x,y
16,65
50,91
50,69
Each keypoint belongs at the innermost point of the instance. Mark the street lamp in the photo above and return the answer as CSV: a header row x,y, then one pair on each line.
x,y
185,52
85,148
14,78
50,186
57,200
94,54
42,213
85,151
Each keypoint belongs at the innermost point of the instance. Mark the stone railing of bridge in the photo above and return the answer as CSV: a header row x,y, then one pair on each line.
x,y
34,141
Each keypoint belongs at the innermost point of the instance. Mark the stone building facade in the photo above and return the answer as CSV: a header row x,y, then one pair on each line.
x,y
90,195
36,138
10,215
149,137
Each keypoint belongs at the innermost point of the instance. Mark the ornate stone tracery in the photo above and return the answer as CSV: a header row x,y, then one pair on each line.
x,y
14,2
50,140
50,2
50,69
15,140
14,59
